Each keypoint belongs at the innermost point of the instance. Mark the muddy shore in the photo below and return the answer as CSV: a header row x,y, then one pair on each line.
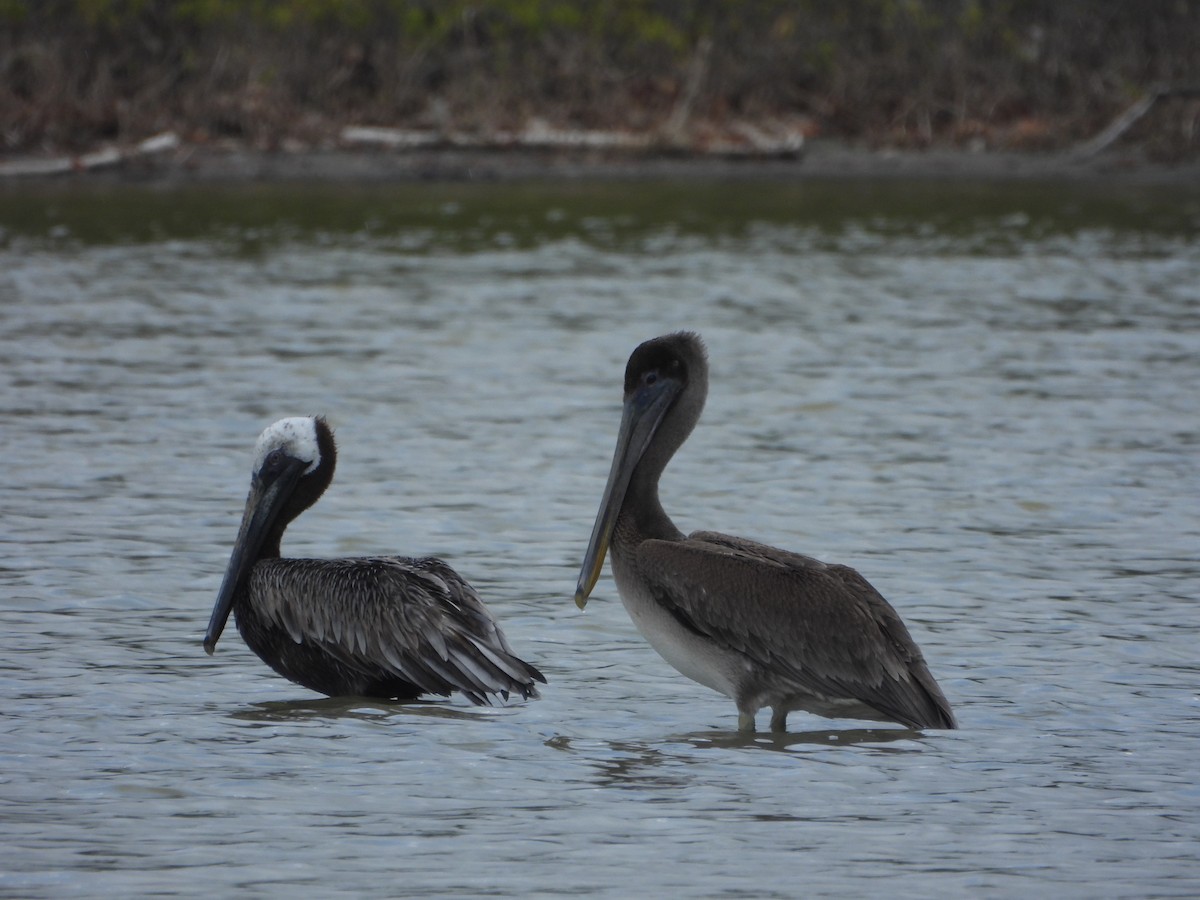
x,y
234,164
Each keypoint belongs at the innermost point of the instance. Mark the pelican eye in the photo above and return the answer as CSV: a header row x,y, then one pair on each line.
x,y
650,377
273,465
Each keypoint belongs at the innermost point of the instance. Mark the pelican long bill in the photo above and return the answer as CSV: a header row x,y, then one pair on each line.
x,y
263,506
640,417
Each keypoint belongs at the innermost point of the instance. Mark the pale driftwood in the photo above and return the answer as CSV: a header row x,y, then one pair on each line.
x,y
398,138
536,135
86,162
539,135
60,165
1129,118
738,140
160,143
697,69
743,140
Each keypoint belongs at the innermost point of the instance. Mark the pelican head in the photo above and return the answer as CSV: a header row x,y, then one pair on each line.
x,y
294,462
666,383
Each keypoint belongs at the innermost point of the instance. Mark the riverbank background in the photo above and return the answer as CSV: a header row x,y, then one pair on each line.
x,y
445,227
338,88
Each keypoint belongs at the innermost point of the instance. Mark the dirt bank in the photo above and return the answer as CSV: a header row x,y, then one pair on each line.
x,y
230,162
537,88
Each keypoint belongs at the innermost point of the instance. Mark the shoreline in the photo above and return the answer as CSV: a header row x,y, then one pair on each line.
x,y
166,162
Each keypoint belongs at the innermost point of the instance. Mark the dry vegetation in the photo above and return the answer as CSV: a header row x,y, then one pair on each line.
x,y
1020,74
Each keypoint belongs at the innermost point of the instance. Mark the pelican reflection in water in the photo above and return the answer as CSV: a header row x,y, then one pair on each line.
x,y
384,626
763,626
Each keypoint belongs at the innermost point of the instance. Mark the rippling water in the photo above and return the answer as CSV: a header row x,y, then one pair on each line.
x,y
983,397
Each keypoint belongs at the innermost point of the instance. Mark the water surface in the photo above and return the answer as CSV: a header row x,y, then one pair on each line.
x,y
984,397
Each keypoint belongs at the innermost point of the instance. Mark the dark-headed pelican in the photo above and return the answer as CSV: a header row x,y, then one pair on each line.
x,y
382,626
763,626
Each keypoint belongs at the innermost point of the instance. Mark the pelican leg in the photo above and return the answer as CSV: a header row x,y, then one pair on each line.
x,y
746,721
779,718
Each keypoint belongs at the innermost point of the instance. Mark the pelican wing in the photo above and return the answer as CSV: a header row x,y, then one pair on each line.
x,y
823,625
412,618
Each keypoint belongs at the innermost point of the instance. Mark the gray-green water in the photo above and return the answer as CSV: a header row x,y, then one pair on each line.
x,y
986,398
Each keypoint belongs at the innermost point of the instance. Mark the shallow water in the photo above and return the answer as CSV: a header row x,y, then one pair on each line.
x,y
984,397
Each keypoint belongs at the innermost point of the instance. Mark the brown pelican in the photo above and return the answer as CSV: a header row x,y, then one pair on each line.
x,y
382,626
763,626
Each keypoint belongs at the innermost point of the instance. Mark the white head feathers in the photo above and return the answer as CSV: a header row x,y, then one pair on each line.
x,y
296,436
